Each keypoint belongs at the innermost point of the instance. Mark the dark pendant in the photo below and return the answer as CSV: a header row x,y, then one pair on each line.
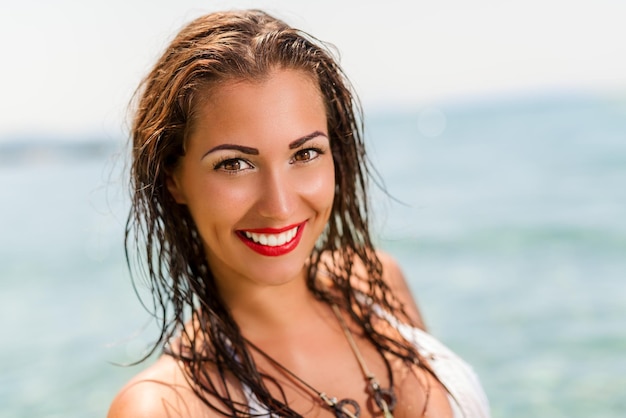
x,y
347,408
385,398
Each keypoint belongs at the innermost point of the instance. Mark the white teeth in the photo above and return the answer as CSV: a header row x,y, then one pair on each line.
x,y
273,240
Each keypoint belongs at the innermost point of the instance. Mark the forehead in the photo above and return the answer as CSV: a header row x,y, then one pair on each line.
x,y
284,102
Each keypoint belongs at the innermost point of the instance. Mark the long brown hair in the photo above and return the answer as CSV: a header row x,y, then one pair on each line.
x,y
211,49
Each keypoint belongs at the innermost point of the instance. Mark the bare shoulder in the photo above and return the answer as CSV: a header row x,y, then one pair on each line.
x,y
159,391
394,277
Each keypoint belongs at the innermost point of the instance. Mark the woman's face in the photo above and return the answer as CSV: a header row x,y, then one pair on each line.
x,y
258,178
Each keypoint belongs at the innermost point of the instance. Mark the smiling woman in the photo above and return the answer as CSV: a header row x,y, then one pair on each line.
x,y
250,200
261,147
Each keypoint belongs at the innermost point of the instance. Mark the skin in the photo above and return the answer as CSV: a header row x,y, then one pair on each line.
x,y
257,157
284,176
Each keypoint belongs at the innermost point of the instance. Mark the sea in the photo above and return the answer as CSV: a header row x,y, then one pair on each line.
x,y
507,215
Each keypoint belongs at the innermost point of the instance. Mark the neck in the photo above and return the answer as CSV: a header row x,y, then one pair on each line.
x,y
269,309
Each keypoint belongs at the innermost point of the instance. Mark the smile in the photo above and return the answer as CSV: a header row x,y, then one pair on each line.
x,y
272,241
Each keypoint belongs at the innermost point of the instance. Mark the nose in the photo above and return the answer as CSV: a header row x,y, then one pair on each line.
x,y
277,196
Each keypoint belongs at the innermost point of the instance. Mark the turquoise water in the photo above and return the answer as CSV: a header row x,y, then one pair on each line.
x,y
509,222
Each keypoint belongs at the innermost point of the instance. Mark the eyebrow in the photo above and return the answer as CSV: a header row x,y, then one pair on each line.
x,y
298,142
241,148
253,151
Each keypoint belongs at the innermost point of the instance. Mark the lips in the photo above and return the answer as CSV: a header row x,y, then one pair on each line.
x,y
272,242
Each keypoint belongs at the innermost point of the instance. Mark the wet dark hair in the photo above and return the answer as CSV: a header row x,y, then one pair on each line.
x,y
241,45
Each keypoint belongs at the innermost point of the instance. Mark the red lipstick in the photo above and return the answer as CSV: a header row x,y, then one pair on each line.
x,y
269,250
273,230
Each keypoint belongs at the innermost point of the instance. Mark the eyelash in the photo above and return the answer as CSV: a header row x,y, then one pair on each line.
x,y
219,165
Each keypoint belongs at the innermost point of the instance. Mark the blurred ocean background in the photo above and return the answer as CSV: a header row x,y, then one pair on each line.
x,y
509,220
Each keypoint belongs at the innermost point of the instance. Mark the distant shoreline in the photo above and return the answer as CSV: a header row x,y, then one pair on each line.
x,y
38,151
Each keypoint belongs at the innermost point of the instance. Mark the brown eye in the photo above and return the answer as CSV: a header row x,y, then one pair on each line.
x,y
306,155
233,165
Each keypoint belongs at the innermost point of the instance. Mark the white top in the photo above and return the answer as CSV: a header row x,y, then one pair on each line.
x,y
467,398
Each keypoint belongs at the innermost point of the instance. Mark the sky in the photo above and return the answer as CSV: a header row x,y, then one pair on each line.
x,y
69,68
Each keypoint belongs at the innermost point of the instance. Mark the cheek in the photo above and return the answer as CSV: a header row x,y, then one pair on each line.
x,y
329,188
217,203
320,188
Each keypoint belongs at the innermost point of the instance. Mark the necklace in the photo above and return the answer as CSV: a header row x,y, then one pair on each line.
x,y
385,399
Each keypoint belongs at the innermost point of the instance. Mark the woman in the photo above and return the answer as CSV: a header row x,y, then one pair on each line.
x,y
249,179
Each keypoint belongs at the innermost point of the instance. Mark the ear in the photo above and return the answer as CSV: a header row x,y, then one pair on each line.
x,y
172,182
